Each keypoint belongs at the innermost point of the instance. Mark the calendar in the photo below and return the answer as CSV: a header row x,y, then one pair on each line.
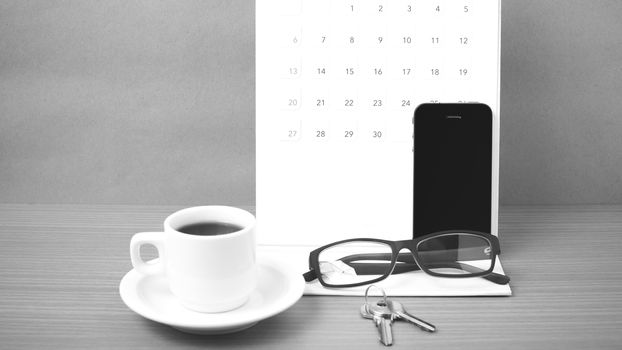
x,y
337,83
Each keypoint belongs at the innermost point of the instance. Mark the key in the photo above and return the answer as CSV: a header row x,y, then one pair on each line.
x,y
398,309
383,318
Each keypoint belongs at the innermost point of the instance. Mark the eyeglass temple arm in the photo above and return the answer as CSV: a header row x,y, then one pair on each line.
x,y
379,269
309,275
493,277
312,275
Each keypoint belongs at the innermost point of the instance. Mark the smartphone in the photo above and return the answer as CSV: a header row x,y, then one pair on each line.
x,y
452,168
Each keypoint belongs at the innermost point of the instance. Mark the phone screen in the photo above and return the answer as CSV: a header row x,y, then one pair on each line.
x,y
453,168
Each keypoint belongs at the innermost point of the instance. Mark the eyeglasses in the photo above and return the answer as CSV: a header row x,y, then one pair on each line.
x,y
360,261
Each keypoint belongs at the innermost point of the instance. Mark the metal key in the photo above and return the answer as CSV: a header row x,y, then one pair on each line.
x,y
383,318
401,314
398,309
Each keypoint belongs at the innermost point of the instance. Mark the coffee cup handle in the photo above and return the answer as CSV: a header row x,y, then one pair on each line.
x,y
140,239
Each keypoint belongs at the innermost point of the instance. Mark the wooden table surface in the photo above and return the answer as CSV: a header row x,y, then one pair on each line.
x,y
60,267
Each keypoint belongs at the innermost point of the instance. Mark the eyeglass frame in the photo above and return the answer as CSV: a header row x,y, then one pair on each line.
x,y
411,245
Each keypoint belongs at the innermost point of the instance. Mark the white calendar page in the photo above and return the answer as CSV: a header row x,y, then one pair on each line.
x,y
337,83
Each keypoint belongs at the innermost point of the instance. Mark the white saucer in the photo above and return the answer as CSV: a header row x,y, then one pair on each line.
x,y
149,296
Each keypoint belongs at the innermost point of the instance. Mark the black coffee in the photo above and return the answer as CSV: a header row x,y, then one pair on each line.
x,y
209,228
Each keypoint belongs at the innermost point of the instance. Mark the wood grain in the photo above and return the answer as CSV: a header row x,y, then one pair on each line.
x,y
60,267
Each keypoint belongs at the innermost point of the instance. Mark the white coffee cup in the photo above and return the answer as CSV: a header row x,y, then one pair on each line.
x,y
207,273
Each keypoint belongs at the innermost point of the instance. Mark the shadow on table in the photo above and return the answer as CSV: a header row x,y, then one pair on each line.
x,y
274,330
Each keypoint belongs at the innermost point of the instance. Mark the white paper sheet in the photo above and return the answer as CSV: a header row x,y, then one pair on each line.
x,y
336,87
337,83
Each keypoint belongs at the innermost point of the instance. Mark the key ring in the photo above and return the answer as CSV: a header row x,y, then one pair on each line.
x,y
384,296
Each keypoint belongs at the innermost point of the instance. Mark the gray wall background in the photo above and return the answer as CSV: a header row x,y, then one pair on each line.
x,y
145,102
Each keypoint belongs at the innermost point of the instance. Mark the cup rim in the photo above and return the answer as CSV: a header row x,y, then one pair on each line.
x,y
238,211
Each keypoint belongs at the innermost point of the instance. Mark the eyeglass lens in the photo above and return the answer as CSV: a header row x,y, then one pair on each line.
x,y
354,262
455,254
